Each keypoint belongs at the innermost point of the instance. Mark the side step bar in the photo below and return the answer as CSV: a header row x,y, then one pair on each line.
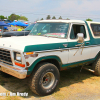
x,y
88,69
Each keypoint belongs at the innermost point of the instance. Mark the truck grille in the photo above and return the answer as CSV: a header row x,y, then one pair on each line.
x,y
5,56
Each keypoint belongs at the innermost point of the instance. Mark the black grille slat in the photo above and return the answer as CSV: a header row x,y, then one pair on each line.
x,y
5,56
6,62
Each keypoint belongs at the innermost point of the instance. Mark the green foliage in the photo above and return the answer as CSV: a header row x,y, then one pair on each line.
x,y
41,18
60,17
2,17
89,19
13,17
48,17
23,18
53,17
68,19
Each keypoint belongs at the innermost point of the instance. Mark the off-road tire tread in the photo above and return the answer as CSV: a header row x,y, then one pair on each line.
x,y
96,66
34,76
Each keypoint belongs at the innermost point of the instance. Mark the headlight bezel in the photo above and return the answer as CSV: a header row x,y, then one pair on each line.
x,y
17,56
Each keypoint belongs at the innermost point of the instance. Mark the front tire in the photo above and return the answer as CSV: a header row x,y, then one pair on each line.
x,y
45,79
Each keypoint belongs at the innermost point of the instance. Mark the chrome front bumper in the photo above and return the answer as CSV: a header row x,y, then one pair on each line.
x,y
16,72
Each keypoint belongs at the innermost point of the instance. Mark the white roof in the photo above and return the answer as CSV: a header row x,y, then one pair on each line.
x,y
66,21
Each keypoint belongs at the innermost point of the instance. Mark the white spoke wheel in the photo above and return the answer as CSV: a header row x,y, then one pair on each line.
x,y
45,79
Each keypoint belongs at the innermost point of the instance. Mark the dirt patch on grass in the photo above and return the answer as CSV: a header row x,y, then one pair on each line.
x,y
74,85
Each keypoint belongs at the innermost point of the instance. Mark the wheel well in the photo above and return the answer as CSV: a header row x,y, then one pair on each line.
x,y
98,55
53,61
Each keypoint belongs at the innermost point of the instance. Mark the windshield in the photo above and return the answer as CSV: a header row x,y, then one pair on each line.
x,y
50,29
29,28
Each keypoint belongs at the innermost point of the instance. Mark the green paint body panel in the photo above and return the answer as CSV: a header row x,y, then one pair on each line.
x,y
42,47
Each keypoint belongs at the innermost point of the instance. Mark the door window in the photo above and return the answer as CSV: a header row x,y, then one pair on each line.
x,y
77,29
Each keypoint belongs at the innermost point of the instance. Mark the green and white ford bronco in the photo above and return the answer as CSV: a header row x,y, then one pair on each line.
x,y
51,46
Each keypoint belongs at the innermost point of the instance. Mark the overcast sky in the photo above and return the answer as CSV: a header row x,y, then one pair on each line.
x,y
37,9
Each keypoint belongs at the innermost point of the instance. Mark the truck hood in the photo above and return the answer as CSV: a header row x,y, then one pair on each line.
x,y
19,43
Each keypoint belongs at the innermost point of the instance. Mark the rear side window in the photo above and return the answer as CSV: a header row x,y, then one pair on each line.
x,y
96,29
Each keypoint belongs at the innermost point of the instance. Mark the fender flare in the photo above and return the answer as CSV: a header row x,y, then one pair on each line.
x,y
31,68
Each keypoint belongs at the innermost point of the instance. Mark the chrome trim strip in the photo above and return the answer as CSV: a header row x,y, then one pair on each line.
x,y
54,50
84,47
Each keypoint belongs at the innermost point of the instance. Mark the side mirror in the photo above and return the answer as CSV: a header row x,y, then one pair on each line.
x,y
80,37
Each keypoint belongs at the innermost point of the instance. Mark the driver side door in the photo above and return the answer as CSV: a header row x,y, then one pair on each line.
x,y
76,52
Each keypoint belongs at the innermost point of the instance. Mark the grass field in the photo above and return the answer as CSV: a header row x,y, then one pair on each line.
x,y
74,85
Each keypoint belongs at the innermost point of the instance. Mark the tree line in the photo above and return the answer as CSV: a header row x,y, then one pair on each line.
x,y
13,17
49,17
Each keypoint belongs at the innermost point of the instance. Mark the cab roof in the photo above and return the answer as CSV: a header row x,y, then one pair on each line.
x,y
66,21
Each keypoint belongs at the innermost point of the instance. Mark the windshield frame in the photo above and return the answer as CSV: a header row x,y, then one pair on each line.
x,y
30,26
66,29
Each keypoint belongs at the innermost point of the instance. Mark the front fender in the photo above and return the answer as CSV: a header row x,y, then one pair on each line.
x,y
31,68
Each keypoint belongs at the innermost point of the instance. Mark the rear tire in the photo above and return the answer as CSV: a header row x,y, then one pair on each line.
x,y
96,67
44,81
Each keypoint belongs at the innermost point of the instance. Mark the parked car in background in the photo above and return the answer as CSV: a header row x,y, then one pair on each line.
x,y
25,32
7,21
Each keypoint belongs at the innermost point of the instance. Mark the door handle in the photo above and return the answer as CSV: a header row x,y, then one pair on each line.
x,y
82,44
